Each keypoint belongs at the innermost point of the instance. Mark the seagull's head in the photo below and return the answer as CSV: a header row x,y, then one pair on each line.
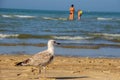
x,y
53,42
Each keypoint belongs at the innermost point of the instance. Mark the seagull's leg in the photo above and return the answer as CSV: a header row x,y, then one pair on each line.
x,y
39,72
44,68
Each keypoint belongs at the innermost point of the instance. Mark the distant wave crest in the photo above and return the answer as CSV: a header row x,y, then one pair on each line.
x,y
107,19
8,35
101,18
29,16
51,18
91,36
18,16
24,16
72,37
107,36
25,36
22,36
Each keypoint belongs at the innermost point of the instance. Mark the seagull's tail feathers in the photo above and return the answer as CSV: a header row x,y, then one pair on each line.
x,y
23,63
19,64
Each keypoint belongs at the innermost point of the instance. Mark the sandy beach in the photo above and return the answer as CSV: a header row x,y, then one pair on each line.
x,y
62,68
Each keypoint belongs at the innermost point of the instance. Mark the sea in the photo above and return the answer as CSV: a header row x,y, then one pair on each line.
x,y
23,31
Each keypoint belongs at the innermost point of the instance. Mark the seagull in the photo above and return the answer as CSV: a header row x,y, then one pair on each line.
x,y
41,59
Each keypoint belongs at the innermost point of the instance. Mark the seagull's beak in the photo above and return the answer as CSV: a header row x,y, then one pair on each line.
x,y
57,43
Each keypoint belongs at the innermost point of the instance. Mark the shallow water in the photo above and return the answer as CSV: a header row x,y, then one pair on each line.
x,y
25,29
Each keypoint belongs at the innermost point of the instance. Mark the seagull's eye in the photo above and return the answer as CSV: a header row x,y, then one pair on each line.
x,y
54,41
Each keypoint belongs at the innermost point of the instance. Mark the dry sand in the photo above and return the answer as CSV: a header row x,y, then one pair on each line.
x,y
62,68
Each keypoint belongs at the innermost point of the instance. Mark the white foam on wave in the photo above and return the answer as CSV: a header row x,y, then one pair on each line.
x,y
101,18
7,16
24,16
62,18
107,36
71,38
51,18
8,35
18,16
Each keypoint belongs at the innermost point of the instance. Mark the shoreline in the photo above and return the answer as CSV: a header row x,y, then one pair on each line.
x,y
66,56
80,46
95,53
62,68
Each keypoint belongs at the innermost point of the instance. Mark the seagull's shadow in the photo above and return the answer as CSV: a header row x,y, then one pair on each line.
x,y
78,77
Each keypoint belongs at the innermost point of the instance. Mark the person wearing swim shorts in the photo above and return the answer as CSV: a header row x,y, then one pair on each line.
x,y
72,10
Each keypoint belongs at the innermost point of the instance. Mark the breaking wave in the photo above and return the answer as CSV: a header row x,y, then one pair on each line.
x,y
24,36
51,18
107,19
17,16
72,38
91,36
8,35
24,16
30,17
107,36
101,18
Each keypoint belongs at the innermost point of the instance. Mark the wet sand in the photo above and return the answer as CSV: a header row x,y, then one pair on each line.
x,y
62,68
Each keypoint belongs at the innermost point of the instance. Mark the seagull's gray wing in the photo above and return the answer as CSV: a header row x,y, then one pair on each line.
x,y
42,58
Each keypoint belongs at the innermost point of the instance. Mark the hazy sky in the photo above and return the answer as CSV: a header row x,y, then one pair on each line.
x,y
87,5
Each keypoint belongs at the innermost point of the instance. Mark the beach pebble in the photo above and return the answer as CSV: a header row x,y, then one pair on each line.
x,y
33,69
19,74
12,59
109,64
79,61
90,61
106,71
76,72
23,74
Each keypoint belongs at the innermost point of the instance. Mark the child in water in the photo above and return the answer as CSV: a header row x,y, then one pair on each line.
x,y
79,14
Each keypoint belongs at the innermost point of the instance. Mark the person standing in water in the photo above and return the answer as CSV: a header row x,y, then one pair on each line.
x,y
72,10
79,14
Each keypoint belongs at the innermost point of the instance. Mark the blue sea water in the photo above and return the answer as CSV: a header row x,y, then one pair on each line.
x,y
27,32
